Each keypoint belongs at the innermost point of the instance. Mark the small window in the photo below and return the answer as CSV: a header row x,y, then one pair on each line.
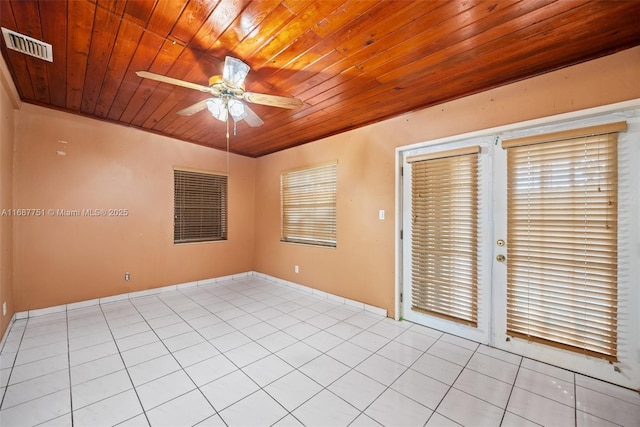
x,y
200,207
309,205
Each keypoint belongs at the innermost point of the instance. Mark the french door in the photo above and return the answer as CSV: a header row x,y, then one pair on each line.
x,y
513,241
447,246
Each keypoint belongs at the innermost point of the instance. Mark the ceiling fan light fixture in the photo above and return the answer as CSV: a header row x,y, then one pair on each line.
x,y
217,108
234,71
236,109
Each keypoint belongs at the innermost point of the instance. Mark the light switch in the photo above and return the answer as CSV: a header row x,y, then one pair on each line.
x,y
381,214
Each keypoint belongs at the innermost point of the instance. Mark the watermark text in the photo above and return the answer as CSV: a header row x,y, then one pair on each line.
x,y
58,212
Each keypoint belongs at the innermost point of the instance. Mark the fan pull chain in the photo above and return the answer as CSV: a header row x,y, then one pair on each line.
x,y
227,123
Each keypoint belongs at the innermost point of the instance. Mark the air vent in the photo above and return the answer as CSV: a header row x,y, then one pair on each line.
x,y
27,45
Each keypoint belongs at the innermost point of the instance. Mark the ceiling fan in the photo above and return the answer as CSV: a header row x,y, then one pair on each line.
x,y
229,95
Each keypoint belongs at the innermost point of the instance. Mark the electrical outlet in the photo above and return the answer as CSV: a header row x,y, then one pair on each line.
x,y
4,308
296,269
127,277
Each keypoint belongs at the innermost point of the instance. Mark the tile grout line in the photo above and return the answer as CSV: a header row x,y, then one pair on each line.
x,y
115,342
575,401
32,378
260,388
435,410
406,368
450,386
513,386
351,369
69,368
220,352
13,364
157,297
344,320
218,412
295,369
176,308
164,302
548,375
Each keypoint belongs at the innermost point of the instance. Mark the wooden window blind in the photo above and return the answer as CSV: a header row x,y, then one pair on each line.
x,y
200,207
444,266
308,204
562,239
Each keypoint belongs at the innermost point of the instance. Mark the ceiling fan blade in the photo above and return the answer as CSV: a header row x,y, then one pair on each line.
x,y
171,80
252,118
234,71
272,100
195,108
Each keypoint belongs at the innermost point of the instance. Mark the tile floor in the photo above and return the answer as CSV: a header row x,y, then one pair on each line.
x,y
250,352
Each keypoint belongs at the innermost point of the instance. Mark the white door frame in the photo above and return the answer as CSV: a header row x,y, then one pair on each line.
x,y
627,371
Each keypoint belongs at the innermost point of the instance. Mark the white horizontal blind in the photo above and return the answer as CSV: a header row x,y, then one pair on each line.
x,y
562,241
200,207
444,235
308,203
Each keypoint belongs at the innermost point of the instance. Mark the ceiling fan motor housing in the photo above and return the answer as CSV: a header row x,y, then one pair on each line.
x,y
217,82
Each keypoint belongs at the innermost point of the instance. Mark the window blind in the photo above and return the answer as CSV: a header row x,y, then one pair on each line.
x,y
308,204
444,209
562,239
200,207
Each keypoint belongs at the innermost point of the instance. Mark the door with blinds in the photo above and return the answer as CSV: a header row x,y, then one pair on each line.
x,y
446,268
561,225
522,241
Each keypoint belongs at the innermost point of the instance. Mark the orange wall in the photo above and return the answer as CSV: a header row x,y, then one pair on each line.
x,y
58,260
61,259
362,266
6,196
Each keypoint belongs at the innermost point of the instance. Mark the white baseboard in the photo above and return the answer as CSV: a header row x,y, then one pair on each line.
x,y
206,282
322,294
6,332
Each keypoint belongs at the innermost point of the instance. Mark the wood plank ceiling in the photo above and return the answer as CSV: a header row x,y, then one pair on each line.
x,y
352,62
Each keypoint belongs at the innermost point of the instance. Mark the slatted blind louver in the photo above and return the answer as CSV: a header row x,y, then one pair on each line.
x,y
445,235
308,203
200,207
562,243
